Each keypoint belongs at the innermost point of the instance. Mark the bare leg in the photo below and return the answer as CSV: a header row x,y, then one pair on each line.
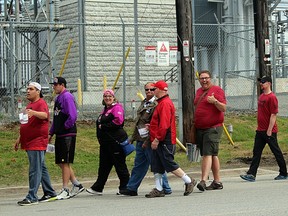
x,y
178,172
206,166
65,167
216,168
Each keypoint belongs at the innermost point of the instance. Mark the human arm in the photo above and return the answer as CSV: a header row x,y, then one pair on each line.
x,y
219,105
37,114
17,143
70,110
113,118
272,122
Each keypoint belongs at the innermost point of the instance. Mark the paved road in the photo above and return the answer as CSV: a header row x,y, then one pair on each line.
x,y
263,197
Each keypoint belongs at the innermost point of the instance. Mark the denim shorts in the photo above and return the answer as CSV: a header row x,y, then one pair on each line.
x,y
208,140
65,149
162,158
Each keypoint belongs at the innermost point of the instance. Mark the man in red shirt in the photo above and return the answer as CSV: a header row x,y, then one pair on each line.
x,y
210,105
163,142
34,139
266,131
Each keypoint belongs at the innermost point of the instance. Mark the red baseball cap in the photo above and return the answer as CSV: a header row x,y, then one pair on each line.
x,y
161,84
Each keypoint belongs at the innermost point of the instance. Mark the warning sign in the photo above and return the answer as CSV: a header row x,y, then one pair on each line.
x,y
186,48
163,53
150,54
173,55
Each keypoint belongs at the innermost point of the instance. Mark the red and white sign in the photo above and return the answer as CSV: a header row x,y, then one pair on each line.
x,y
150,54
173,54
186,52
163,53
267,47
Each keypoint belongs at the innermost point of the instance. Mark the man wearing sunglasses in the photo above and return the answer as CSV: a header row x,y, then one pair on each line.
x,y
143,150
266,132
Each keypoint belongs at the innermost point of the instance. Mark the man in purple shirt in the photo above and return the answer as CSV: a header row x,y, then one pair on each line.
x,y
64,127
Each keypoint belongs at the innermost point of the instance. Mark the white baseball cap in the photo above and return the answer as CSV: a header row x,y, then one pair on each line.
x,y
36,85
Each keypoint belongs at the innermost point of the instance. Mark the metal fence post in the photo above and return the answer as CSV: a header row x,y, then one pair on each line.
x,y
124,64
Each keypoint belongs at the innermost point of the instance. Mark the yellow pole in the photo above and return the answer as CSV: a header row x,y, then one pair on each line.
x,y
65,60
66,57
120,70
227,134
104,82
79,92
180,144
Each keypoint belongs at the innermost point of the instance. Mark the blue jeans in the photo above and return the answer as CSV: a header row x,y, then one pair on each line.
x,y
38,173
142,162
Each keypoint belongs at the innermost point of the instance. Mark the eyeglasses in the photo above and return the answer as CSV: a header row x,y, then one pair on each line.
x,y
204,78
151,89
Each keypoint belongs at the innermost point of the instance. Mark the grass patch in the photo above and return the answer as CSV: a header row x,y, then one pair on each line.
x,y
14,165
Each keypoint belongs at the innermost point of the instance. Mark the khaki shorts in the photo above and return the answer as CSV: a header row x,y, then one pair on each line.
x,y
208,140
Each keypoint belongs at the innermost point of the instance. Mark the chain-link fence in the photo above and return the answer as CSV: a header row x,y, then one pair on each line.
x,y
91,56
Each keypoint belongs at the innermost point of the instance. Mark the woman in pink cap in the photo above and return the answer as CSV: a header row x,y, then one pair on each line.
x,y
110,133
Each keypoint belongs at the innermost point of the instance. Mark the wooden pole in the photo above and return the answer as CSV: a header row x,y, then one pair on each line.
x,y
261,28
185,47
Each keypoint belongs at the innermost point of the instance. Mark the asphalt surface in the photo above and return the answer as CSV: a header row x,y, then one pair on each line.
x,y
263,197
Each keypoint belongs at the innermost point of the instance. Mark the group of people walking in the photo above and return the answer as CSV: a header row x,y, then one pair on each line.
x,y
154,134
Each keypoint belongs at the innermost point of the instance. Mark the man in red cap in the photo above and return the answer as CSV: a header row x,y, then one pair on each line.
x,y
163,142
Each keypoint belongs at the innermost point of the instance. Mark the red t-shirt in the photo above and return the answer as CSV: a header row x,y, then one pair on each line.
x,y
267,105
34,134
206,114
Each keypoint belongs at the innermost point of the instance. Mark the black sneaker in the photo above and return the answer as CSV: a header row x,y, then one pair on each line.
x,y
280,177
128,192
27,202
167,192
47,198
248,177
76,189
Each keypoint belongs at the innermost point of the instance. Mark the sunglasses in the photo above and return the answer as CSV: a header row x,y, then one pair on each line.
x,y
151,89
262,81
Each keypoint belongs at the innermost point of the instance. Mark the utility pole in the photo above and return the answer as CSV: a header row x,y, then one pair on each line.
x,y
261,27
185,47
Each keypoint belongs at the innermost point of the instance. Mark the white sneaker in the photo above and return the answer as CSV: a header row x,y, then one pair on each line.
x,y
76,189
91,191
64,194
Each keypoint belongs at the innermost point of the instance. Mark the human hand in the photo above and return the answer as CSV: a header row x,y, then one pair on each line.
x,y
49,138
269,133
211,99
154,144
16,145
29,112
147,126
